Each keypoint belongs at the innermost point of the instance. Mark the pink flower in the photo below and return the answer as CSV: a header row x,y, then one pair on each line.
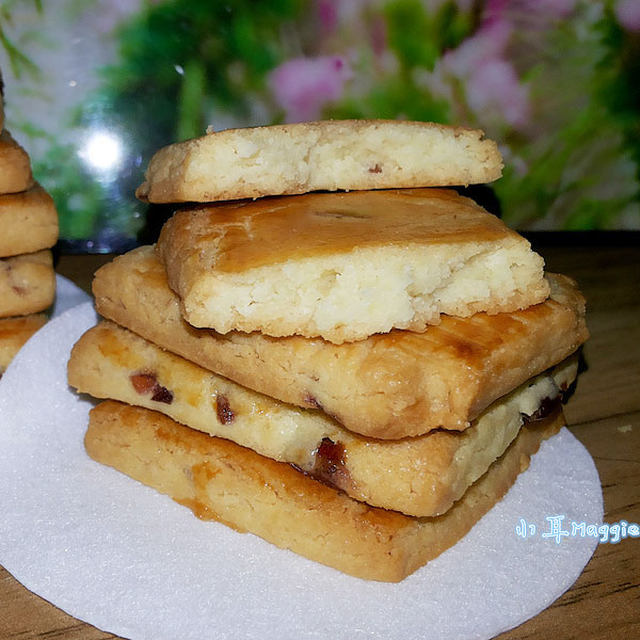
x,y
303,86
328,15
486,44
480,63
495,87
628,14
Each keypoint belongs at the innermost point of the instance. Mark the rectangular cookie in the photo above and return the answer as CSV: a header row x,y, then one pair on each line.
x,y
221,481
344,266
420,476
388,386
29,222
14,332
27,283
326,155
15,165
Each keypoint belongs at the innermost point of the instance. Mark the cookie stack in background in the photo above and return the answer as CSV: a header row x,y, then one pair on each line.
x,y
356,376
28,230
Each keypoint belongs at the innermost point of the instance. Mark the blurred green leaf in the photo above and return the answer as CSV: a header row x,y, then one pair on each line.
x,y
411,33
192,94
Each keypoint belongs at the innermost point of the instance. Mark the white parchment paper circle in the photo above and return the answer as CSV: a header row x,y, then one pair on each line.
x,y
68,295
130,561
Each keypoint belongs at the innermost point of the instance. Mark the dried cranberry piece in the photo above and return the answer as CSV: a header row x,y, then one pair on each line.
x,y
147,383
547,407
311,401
330,465
162,394
143,383
223,410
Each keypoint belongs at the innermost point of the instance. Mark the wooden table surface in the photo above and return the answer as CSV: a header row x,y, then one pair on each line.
x,y
604,414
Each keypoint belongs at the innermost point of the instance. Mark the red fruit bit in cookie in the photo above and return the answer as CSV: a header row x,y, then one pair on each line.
x,y
548,407
147,383
311,401
162,394
143,383
330,464
223,409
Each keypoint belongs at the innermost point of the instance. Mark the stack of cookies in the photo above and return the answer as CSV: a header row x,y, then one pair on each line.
x,y
345,359
28,229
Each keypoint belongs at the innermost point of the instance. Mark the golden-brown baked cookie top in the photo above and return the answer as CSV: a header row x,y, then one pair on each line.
x,y
235,237
388,386
344,266
28,220
27,283
14,332
15,165
326,155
